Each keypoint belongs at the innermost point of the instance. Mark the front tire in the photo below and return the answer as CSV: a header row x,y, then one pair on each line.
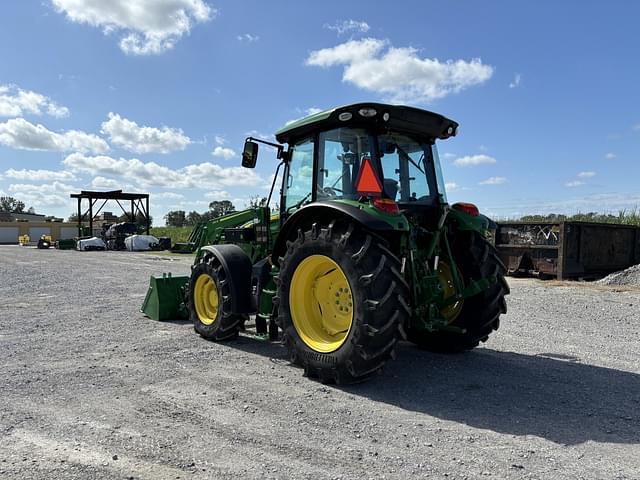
x,y
210,301
342,302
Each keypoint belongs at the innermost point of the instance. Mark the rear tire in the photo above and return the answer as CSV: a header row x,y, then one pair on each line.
x,y
334,267
476,258
210,301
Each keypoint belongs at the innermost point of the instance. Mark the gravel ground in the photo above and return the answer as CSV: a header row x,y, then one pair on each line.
x,y
630,276
92,389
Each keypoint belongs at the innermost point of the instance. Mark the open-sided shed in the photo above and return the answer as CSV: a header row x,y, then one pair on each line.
x,y
139,204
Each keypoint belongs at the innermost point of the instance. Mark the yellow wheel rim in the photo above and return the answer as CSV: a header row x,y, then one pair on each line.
x,y
205,299
321,303
450,312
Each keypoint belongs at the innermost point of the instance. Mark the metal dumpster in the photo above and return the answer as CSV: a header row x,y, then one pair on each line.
x,y
565,250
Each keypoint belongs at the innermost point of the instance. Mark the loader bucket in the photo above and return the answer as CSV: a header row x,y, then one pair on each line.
x,y
166,297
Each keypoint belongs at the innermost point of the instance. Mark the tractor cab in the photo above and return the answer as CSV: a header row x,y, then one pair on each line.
x,y
352,164
368,156
382,154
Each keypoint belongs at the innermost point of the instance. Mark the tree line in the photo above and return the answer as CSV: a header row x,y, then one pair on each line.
x,y
217,208
125,217
13,205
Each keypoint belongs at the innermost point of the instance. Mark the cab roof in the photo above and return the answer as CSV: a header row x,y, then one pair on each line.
x,y
421,123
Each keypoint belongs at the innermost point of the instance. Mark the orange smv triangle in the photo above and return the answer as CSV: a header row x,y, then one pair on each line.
x,y
368,182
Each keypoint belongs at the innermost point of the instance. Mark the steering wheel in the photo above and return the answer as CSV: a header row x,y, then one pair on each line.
x,y
330,191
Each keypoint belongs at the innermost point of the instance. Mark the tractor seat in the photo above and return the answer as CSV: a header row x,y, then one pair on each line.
x,y
391,188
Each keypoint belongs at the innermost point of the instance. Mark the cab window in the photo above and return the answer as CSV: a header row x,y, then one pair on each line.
x,y
339,157
405,169
299,178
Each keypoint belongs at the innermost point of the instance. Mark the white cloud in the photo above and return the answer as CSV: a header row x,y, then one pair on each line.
x,y
451,186
399,73
106,183
146,26
217,195
210,175
23,135
586,174
224,152
54,194
16,102
473,160
220,139
516,81
494,181
449,155
151,174
610,156
40,175
348,26
168,195
574,183
134,138
247,37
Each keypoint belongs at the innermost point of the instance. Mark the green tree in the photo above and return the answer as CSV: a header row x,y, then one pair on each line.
x,y
221,207
175,218
193,218
10,204
257,201
208,215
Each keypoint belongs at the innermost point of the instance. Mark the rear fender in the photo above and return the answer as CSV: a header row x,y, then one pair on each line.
x,y
464,221
237,266
324,213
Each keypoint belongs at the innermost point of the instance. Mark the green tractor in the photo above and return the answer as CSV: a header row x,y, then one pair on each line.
x,y
364,251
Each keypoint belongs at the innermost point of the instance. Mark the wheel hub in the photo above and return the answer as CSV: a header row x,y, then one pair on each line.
x,y
445,276
321,303
206,299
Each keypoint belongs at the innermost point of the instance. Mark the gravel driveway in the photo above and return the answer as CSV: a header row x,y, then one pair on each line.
x,y
92,389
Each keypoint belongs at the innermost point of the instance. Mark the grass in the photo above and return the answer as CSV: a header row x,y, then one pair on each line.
x,y
177,234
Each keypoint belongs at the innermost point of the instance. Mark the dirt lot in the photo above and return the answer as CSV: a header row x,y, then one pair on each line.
x,y
92,389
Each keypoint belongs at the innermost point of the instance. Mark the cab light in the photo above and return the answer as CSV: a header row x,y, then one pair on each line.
x,y
344,116
368,182
468,208
367,112
386,205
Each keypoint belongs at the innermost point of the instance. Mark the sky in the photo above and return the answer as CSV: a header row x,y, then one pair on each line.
x,y
158,95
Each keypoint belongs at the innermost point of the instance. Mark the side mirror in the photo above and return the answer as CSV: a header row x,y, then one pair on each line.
x,y
250,154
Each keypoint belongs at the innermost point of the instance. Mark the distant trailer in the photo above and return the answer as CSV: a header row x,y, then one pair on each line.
x,y
567,250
